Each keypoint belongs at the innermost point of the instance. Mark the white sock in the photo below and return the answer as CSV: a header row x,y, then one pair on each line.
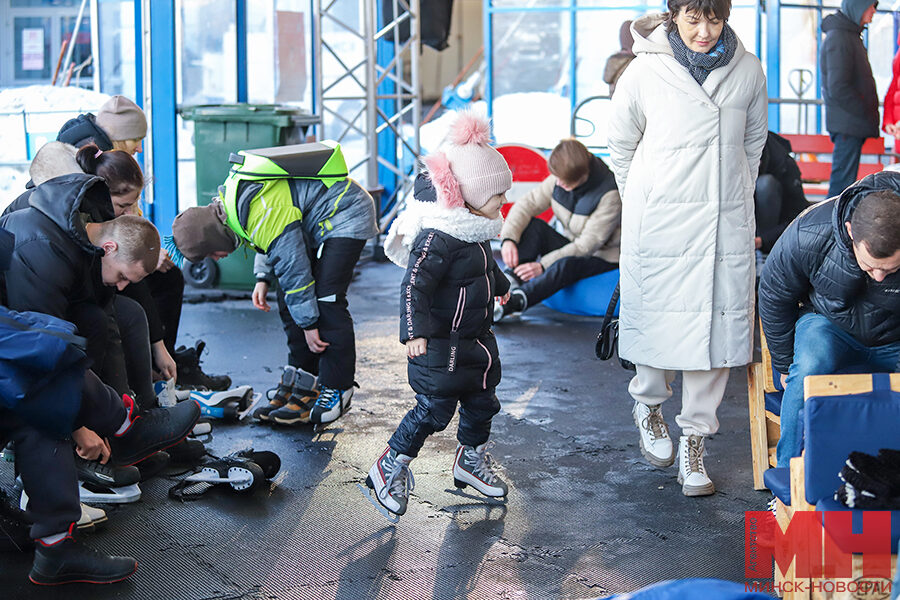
x,y
124,426
49,540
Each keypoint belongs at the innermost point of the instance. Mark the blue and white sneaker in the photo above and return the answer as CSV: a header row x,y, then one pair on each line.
x,y
330,405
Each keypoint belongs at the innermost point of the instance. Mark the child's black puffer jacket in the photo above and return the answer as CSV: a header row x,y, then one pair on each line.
x,y
447,297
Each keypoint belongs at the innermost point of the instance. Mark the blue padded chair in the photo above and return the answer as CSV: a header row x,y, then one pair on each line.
x,y
588,297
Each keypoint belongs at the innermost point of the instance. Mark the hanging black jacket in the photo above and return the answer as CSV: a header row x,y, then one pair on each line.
x,y
813,268
447,297
54,264
848,88
777,161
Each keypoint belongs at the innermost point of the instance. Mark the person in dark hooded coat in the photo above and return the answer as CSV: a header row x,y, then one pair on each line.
x,y
848,88
829,296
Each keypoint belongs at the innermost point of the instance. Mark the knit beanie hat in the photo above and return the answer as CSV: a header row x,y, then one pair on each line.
x,y
122,119
198,232
468,171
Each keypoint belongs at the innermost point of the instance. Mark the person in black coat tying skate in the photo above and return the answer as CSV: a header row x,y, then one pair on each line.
x,y
446,307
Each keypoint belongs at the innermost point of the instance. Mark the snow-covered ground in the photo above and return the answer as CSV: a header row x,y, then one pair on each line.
x,y
30,117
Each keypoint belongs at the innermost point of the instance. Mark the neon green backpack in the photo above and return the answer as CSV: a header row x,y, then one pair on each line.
x,y
257,193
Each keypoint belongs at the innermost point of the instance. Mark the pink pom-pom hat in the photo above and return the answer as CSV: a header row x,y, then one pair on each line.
x,y
468,170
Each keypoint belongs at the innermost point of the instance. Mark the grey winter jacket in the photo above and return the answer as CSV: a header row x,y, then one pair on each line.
x,y
345,210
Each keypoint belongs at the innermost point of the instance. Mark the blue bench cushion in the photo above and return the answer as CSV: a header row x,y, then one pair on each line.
x,y
689,589
779,481
834,426
841,538
776,379
773,402
588,297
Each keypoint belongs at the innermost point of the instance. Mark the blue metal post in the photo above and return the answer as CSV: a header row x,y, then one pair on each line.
x,y
573,62
488,26
240,20
387,139
773,60
138,54
163,91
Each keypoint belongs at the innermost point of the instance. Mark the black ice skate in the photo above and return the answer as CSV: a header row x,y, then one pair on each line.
x,y
389,484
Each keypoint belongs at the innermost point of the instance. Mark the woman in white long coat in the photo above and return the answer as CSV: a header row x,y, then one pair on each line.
x,y
685,137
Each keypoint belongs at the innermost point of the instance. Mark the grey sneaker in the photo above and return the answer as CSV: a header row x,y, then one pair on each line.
x,y
474,466
656,445
691,470
391,481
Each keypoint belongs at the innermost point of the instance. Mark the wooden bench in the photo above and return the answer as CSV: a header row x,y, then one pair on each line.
x,y
815,172
765,422
806,475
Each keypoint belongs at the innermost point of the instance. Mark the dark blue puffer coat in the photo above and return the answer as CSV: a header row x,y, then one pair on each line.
x,y
812,268
447,297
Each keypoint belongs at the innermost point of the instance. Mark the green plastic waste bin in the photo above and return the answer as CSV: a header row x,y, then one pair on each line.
x,y
219,130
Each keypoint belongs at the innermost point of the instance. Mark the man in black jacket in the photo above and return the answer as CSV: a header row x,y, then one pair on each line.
x,y
829,297
70,255
851,101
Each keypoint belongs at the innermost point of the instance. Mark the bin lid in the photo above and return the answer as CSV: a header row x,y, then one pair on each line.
x,y
271,114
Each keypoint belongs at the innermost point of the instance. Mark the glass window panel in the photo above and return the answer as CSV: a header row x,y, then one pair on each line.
x,y
278,42
31,55
43,3
117,51
84,68
208,52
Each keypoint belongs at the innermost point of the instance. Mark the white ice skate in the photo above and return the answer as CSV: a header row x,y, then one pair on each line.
x,y
474,466
389,484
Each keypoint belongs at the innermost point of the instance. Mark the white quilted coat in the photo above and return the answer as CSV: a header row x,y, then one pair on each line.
x,y
686,157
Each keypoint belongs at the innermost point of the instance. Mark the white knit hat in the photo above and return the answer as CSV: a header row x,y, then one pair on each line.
x,y
469,170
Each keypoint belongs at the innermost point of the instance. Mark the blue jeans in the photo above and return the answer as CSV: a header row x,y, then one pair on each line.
x,y
844,162
820,348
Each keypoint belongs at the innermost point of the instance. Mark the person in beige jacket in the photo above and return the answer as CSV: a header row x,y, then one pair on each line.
x,y
582,192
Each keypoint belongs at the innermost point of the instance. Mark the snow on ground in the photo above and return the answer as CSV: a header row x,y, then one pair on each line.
x,y
31,116
534,119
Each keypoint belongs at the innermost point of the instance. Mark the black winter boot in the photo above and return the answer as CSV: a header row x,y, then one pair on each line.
x,y
70,561
152,430
191,376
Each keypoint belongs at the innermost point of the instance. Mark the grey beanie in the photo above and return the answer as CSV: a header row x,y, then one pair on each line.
x,y
122,119
199,231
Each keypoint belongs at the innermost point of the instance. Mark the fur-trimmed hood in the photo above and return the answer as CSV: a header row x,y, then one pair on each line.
x,y
418,216
52,160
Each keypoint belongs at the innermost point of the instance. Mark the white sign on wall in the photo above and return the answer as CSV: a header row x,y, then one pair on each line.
x,y
33,49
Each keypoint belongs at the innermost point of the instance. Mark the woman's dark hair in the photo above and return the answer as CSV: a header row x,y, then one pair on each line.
x,y
876,221
719,9
570,160
122,173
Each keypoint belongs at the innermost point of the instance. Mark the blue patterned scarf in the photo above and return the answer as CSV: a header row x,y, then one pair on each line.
x,y
699,64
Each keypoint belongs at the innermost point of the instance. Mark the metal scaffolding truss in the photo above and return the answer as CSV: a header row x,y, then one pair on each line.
x,y
367,86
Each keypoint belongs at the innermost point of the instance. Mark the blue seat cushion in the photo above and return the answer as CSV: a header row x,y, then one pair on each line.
x,y
841,538
834,426
773,402
588,297
779,481
776,379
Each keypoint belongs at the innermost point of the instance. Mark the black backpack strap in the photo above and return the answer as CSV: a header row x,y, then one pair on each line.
x,y
611,309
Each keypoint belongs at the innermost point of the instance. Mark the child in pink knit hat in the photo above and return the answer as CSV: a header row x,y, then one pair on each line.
x,y
446,311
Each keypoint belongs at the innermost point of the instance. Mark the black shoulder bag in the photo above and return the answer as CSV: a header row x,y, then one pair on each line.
x,y
608,339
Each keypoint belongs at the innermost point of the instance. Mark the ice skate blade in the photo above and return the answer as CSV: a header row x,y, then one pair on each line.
x,y
460,485
119,495
385,512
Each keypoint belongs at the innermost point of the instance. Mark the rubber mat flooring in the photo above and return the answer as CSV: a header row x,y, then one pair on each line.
x,y
586,515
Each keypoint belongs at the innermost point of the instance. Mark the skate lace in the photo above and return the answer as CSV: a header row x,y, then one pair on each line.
x,y
692,457
328,398
399,480
654,423
484,463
